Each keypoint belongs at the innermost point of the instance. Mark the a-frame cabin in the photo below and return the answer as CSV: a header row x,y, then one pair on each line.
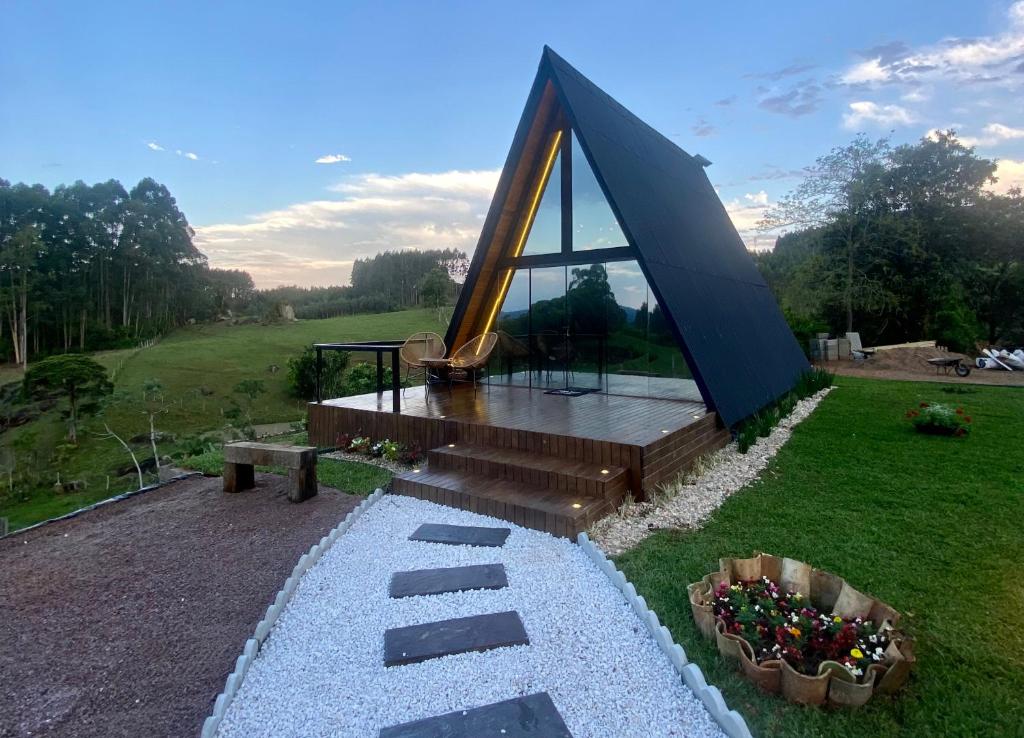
x,y
634,328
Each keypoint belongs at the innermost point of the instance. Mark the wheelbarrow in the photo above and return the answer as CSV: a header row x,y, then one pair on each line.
x,y
945,365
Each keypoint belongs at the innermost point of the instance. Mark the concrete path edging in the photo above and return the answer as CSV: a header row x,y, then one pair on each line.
x,y
730,721
264,627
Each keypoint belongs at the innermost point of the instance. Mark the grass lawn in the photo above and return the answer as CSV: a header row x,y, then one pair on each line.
x,y
934,526
213,358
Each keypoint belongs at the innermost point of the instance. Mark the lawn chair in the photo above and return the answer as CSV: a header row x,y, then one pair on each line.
x,y
857,351
468,361
420,346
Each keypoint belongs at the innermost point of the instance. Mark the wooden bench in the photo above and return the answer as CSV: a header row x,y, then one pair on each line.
x,y
241,457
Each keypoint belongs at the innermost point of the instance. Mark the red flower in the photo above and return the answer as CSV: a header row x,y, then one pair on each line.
x,y
967,418
959,411
924,404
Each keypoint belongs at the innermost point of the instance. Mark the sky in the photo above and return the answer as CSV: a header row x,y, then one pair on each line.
x,y
297,140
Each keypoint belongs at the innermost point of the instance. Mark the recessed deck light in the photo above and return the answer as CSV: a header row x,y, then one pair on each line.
x,y
451,445
604,471
415,471
577,505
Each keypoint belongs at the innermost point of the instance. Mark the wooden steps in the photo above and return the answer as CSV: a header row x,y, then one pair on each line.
x,y
558,512
536,470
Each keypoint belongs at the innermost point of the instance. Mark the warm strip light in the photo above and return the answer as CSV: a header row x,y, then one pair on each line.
x,y
526,229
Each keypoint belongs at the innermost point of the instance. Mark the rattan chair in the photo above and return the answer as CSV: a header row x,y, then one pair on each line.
x,y
419,346
465,364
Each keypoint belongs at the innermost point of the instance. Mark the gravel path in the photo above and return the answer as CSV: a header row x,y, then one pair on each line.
x,y
690,502
321,671
125,620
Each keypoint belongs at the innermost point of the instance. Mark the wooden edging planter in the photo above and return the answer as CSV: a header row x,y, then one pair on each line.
x,y
263,628
833,683
730,721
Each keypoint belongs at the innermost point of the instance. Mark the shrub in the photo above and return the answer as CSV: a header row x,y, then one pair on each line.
x,y
362,378
302,374
760,424
957,329
939,420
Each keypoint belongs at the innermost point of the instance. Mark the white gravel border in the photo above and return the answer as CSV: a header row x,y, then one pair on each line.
x,y
690,501
322,674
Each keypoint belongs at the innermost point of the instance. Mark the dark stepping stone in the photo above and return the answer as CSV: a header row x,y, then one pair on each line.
x,y
460,535
415,643
455,579
532,716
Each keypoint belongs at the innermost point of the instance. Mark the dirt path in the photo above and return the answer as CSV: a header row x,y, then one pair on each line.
x,y
912,364
126,620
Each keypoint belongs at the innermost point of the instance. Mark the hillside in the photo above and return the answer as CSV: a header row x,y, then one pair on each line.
x,y
197,368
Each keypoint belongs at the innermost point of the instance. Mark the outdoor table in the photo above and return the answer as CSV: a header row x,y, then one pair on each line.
x,y
377,347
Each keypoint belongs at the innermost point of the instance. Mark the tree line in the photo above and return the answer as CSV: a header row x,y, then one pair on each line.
x,y
93,267
392,280
901,243
88,267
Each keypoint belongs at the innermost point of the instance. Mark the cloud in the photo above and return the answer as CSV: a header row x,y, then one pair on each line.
x,y
702,128
992,135
316,242
469,183
190,155
332,159
982,59
801,99
726,101
1009,174
154,146
746,214
790,71
866,112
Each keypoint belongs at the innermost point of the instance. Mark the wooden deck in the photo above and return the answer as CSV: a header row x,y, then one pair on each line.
x,y
544,461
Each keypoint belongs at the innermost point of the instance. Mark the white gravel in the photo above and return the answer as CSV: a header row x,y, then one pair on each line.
x,y
691,500
321,672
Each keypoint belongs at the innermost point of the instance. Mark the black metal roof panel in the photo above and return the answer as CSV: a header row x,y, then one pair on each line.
x,y
726,319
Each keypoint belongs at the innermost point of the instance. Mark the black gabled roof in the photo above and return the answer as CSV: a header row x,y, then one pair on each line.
x,y
725,318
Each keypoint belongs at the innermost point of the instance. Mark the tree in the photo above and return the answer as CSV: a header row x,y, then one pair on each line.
x,y
434,287
840,196
78,377
907,239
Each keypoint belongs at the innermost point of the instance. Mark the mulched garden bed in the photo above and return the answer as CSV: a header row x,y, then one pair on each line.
x,y
125,621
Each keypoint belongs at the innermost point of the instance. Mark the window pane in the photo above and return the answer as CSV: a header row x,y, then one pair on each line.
x,y
593,224
546,233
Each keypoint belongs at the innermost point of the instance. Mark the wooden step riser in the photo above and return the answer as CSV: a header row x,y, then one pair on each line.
x,y
525,516
673,461
613,488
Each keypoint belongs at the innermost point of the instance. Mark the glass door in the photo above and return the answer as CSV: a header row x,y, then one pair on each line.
x,y
549,327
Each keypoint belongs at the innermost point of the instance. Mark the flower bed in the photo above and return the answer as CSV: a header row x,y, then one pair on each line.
x,y
939,420
382,449
802,632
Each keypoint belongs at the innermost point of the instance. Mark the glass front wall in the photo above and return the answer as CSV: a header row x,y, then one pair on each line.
x,y
593,327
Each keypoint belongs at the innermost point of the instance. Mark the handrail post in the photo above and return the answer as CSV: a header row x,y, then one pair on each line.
x,y
319,370
396,376
380,372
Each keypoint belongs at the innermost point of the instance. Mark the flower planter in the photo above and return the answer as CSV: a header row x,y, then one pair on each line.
x,y
803,591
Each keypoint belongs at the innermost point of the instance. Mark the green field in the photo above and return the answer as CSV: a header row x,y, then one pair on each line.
x,y
198,368
931,525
